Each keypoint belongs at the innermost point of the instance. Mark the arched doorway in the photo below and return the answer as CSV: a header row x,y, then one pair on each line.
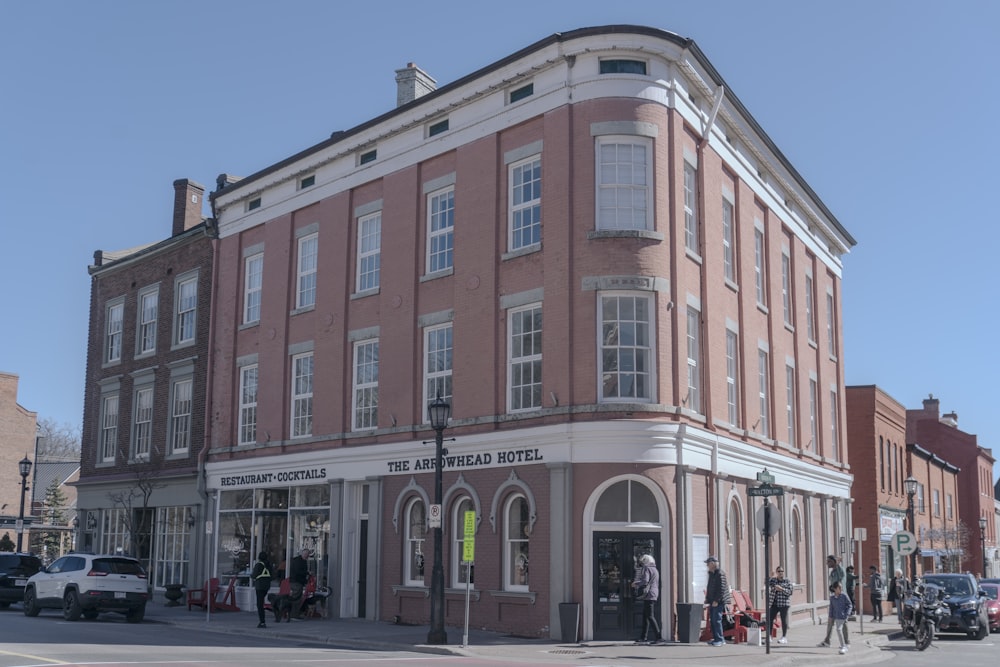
x,y
627,519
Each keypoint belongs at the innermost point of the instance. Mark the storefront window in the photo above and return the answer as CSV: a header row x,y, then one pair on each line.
x,y
173,541
518,530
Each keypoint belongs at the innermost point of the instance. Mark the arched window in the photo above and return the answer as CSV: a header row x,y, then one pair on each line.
x,y
413,542
793,568
734,546
459,570
516,533
627,502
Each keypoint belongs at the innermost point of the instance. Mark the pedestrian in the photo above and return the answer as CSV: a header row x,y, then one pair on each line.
x,y
850,585
835,577
647,587
898,589
781,596
261,576
298,577
717,596
876,590
840,610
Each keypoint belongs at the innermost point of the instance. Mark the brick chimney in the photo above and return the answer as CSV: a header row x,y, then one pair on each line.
x,y
411,83
187,205
932,406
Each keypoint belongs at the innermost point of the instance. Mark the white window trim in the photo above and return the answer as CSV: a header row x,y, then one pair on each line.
x,y
786,289
305,273
513,209
508,585
512,313
252,287
693,345
142,438
447,232
180,422
760,265
109,427
247,408
733,377
370,279
689,197
810,309
142,323
370,387
764,391
181,310
651,336
411,542
728,240
600,186
110,334
303,396
790,405
446,374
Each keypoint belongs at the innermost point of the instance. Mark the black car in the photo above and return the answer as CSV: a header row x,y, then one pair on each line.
x,y
966,602
15,568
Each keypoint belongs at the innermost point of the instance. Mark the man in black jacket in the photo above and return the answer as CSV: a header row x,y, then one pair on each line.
x,y
717,596
298,577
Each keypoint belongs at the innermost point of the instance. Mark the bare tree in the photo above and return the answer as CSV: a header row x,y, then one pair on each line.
x,y
953,543
58,442
136,516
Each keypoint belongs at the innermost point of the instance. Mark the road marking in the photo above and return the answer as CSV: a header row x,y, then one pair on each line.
x,y
34,657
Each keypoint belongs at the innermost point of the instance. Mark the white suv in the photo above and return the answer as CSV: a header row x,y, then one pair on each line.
x,y
85,585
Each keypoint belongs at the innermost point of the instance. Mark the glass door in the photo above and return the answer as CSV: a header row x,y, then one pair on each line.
x,y
617,614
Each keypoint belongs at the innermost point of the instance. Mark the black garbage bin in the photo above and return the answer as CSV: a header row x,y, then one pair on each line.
x,y
569,621
688,622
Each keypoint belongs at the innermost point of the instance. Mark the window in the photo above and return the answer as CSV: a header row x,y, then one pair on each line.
x,y
691,231
366,385
459,569
790,403
369,251
524,363
786,288
146,335
694,359
831,330
949,507
416,529
187,305
622,66
109,427
626,347
437,363
920,499
142,424
252,283
936,499
440,230
173,542
834,426
308,250
732,377
253,204
526,203
810,315
519,94
437,128
729,270
368,156
763,375
302,394
623,170
248,405
115,537
180,417
113,344
517,530
307,182
813,425
759,266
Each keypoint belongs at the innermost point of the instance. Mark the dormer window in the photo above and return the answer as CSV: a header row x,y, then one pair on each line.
x,y
622,66
253,204
437,128
519,94
307,182
368,156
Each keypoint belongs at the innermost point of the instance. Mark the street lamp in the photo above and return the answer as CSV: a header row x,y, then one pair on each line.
x,y
982,541
24,467
910,485
439,411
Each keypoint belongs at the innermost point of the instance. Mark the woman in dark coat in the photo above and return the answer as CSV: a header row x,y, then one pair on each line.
x,y
648,580
261,577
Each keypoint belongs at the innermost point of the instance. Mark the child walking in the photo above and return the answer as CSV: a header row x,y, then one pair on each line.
x,y
840,610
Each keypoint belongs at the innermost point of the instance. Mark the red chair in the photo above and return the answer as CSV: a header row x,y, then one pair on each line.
x,y
737,633
199,597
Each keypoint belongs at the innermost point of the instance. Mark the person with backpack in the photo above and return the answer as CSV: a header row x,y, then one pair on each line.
x,y
876,591
261,576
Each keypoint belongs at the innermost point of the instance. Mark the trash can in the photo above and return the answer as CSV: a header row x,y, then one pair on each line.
x,y
688,622
569,620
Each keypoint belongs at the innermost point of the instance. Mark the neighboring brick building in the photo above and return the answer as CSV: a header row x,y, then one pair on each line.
x,y
935,511
940,434
17,439
627,293
143,426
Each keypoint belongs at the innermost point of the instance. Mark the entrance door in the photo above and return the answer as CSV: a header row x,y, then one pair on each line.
x,y
617,614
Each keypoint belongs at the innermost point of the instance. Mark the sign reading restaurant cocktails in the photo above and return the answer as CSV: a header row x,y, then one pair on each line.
x,y
280,477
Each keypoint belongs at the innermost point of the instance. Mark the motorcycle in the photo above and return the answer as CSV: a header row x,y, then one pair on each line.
x,y
923,611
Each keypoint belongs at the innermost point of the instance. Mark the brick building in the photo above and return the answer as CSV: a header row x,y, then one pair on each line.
x,y
18,427
139,490
626,292
940,434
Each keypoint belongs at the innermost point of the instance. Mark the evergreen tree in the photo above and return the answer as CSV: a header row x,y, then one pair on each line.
x,y
7,544
50,542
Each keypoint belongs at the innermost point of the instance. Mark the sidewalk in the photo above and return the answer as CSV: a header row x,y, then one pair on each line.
x,y
801,648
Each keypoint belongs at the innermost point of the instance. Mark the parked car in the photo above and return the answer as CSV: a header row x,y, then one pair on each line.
x,y
992,604
966,602
15,568
87,584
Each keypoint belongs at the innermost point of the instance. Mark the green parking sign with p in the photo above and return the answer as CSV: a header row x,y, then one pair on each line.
x,y
903,542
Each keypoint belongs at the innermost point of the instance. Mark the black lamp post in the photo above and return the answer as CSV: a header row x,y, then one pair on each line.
x,y
982,541
439,411
910,485
24,467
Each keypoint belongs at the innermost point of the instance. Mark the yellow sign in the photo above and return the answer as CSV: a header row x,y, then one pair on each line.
x,y
469,539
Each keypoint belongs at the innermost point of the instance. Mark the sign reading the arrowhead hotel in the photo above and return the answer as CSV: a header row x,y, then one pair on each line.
x,y
481,460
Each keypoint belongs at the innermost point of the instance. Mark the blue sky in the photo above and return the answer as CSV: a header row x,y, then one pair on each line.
x,y
888,109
